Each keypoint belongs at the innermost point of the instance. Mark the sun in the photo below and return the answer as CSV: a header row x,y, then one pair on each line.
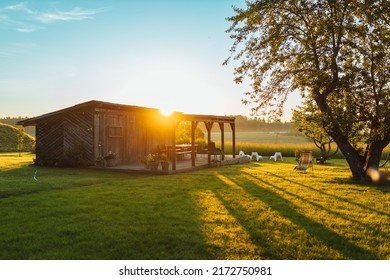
x,y
166,112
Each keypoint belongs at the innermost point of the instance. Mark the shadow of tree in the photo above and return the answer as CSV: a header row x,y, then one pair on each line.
x,y
362,226
331,195
261,240
288,211
384,187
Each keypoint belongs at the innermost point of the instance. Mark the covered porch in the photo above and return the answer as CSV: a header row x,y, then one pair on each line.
x,y
183,165
209,150
189,156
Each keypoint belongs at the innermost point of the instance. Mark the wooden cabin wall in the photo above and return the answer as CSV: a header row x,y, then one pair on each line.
x,y
61,133
134,137
153,131
49,135
78,128
131,135
109,138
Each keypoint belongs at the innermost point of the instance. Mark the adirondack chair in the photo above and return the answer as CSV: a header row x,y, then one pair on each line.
x,y
305,161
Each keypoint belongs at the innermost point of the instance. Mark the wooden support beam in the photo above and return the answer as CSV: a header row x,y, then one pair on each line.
x,y
173,144
194,124
209,126
222,127
233,127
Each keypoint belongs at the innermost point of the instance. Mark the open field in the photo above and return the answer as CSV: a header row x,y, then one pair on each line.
x,y
265,137
252,211
267,143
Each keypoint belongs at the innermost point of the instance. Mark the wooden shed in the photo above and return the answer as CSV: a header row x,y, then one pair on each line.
x,y
102,128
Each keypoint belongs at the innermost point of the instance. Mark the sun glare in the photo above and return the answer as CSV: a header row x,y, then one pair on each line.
x,y
166,112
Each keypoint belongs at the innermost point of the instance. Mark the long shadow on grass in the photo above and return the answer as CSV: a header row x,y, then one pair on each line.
x,y
261,241
337,214
331,195
383,186
286,209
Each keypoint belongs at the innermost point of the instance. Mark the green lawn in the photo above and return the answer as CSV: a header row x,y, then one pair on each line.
x,y
252,211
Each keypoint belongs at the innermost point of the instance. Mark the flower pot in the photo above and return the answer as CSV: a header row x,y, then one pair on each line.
x,y
110,162
165,165
153,166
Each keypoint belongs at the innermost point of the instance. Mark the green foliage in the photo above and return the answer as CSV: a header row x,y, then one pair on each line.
x,y
336,53
12,140
21,136
253,211
183,134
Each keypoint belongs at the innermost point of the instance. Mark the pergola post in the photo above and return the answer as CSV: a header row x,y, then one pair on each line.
x,y
222,127
209,121
194,124
209,126
233,127
173,145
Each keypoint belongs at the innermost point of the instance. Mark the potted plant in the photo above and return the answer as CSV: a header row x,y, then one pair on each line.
x,y
147,160
153,162
110,159
100,161
164,162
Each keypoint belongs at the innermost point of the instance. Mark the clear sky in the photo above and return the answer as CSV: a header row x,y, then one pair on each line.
x,y
165,54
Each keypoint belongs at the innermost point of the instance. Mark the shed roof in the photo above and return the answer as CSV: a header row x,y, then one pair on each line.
x,y
122,107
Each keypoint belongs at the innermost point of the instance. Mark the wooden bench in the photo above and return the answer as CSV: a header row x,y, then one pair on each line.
x,y
185,149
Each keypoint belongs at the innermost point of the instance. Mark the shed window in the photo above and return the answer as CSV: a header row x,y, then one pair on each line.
x,y
115,131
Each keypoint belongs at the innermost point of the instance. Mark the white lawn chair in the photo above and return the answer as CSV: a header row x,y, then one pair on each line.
x,y
242,154
256,156
276,156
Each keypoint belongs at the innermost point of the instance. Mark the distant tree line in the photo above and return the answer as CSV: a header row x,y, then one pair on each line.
x,y
258,124
12,120
246,124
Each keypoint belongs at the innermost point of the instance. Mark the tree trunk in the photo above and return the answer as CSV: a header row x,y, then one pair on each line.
x,y
373,157
354,161
358,164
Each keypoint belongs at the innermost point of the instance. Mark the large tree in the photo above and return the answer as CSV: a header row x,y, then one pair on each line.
x,y
336,52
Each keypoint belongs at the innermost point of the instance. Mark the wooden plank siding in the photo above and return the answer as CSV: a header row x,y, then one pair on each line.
x,y
139,134
60,133
130,132
49,135
78,128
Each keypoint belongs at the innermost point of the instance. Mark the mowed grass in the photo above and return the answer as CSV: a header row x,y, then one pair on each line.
x,y
261,210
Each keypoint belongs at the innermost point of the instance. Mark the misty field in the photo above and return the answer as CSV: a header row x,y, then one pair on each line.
x,y
261,210
267,143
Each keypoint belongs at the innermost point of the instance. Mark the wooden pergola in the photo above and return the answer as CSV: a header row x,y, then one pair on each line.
x,y
208,121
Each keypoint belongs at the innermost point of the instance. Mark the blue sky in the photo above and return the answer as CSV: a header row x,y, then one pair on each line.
x,y
160,54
